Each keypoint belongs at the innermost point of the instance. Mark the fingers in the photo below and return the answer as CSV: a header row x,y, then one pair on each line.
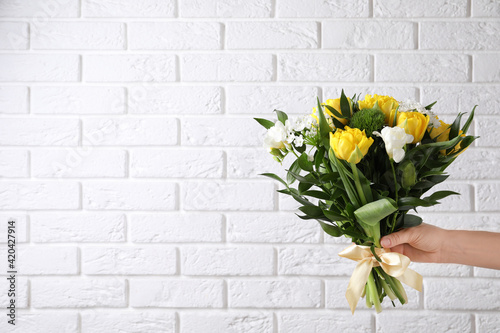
x,y
400,237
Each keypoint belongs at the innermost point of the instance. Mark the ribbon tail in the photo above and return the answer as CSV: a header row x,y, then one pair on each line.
x,y
412,279
357,282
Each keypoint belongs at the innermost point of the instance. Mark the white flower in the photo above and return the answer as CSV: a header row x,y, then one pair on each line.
x,y
434,121
411,105
275,136
395,138
299,141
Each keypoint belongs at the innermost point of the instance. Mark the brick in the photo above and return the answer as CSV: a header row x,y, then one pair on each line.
x,y
335,297
395,322
272,35
216,322
129,131
385,35
43,260
169,163
427,8
320,321
226,8
129,68
129,195
459,35
320,260
127,321
262,99
465,167
46,322
244,163
399,93
77,227
461,294
40,67
123,260
173,228
488,197
78,100
221,131
486,323
15,36
486,272
319,8
169,293
470,221
223,260
21,227
432,269
74,163
453,203
79,36
425,68
174,36
13,99
14,163
487,67
287,203
77,292
273,293
175,100
462,99
228,196
39,12
270,228
114,8
485,8
486,129
226,67
324,67
38,195
39,132
21,291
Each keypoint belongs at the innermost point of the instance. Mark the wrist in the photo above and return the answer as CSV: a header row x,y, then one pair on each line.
x,y
450,244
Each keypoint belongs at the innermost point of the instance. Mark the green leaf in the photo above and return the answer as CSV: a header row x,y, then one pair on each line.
x,y
335,112
330,229
428,107
275,177
454,128
440,195
316,194
264,122
312,211
304,163
282,116
318,157
304,187
294,170
371,213
334,217
465,128
345,108
414,202
349,187
411,221
324,128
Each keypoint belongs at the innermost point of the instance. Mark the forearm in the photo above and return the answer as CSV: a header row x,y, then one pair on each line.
x,y
475,248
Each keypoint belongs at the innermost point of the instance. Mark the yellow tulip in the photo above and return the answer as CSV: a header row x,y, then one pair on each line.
x,y
350,144
442,133
334,103
387,104
414,123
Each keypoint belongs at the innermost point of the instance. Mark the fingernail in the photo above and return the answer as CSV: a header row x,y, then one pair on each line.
x,y
385,242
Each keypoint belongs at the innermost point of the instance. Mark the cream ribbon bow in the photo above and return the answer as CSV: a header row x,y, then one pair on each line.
x,y
393,263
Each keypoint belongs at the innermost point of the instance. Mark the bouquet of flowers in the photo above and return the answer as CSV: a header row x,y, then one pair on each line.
x,y
360,167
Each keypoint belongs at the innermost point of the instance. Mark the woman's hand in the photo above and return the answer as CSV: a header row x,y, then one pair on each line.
x,y
423,243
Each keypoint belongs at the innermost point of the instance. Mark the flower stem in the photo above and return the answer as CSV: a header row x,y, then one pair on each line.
x,y
361,193
372,289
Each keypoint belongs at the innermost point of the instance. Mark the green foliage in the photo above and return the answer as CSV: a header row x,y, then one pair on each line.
x,y
369,120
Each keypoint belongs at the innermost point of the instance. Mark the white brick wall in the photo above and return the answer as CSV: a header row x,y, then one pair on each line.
x,y
129,156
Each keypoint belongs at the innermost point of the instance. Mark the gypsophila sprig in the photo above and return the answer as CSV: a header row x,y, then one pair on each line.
x,y
359,168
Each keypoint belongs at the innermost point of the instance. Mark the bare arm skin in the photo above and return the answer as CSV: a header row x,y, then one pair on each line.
x,y
427,243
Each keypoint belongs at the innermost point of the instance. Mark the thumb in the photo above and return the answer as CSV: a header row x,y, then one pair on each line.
x,y
400,237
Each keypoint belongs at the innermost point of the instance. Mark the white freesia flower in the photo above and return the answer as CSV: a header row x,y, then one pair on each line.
x,y
395,138
275,136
